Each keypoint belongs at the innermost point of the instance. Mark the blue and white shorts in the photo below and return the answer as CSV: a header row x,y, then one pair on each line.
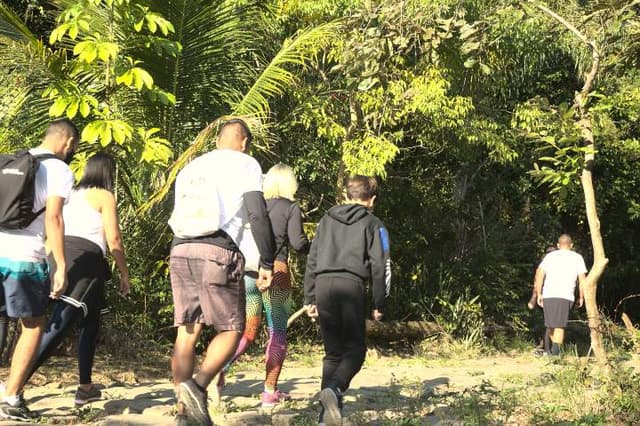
x,y
25,288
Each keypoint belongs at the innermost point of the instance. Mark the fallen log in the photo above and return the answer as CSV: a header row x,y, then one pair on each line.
x,y
395,330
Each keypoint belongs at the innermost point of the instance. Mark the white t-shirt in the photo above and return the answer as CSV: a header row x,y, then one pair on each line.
x,y
82,220
249,249
53,178
561,269
222,177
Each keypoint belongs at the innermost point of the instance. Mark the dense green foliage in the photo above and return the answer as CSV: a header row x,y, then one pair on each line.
x,y
462,108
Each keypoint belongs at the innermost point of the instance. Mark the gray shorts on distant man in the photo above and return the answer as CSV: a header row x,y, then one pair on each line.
x,y
556,312
207,286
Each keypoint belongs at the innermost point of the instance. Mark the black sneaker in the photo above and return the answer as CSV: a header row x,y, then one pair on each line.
x,y
195,402
331,411
181,420
19,412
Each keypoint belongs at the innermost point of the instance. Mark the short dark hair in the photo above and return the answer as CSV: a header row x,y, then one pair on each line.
x,y
361,188
63,126
99,172
244,128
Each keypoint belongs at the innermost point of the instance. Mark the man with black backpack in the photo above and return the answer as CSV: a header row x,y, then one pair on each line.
x,y
34,186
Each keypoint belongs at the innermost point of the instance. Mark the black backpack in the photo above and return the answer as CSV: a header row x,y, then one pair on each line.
x,y
17,188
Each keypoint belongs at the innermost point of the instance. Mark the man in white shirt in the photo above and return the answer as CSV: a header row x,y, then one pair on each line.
x,y
216,194
24,271
555,284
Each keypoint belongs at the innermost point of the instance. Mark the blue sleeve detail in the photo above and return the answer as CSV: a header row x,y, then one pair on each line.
x,y
384,237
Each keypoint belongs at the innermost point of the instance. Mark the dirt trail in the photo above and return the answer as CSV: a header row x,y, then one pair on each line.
x,y
386,384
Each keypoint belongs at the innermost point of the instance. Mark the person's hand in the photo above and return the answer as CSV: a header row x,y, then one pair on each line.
x,y
580,303
312,312
540,301
264,279
532,302
59,283
376,315
125,286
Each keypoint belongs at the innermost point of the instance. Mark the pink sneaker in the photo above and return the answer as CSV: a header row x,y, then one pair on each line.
x,y
270,399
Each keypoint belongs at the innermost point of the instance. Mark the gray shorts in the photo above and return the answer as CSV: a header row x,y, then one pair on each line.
x,y
207,286
556,312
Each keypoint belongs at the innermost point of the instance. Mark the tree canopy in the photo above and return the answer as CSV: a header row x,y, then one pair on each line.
x,y
465,110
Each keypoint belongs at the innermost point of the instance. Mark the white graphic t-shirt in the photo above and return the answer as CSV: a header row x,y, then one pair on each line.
x,y
53,178
209,194
561,268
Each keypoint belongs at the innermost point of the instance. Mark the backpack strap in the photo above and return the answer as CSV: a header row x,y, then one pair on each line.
x,y
45,156
40,157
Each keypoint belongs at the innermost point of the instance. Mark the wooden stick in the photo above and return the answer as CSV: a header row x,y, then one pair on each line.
x,y
295,315
627,322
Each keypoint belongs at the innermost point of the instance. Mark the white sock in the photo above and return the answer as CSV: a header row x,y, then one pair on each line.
x,y
12,400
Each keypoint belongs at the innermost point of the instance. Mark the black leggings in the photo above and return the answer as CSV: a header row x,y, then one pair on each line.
x,y
4,329
60,324
340,303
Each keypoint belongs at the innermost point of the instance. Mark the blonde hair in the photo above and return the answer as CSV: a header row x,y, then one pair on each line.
x,y
280,182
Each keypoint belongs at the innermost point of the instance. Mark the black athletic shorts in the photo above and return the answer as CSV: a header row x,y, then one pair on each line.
x,y
556,312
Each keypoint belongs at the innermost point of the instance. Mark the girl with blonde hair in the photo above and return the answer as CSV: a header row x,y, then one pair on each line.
x,y
279,187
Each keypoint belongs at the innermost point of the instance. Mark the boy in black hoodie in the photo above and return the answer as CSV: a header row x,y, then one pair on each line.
x,y
351,246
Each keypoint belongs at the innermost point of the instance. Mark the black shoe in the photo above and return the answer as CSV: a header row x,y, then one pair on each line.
x,y
195,402
331,411
19,412
181,420
84,397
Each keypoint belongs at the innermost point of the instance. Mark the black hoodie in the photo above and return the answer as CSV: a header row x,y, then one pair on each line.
x,y
350,242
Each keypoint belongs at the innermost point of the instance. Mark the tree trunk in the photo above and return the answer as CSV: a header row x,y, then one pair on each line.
x,y
599,258
585,124
599,265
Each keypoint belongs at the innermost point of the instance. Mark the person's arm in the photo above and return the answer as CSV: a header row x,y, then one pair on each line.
x,y
262,235
310,272
539,282
114,238
54,230
582,281
295,231
380,260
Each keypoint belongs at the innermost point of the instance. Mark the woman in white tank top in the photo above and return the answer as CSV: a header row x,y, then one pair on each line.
x,y
91,225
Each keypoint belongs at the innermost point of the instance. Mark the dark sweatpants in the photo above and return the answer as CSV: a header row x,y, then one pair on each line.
x,y
60,325
340,303
86,272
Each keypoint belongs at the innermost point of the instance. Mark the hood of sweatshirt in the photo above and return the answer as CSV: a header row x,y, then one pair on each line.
x,y
348,213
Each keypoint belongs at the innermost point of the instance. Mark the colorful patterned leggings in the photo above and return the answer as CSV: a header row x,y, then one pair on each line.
x,y
276,303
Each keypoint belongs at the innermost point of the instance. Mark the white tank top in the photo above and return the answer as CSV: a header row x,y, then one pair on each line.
x,y
82,220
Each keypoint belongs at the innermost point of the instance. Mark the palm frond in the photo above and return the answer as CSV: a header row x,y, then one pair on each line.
x,y
197,146
273,81
276,78
216,37
11,26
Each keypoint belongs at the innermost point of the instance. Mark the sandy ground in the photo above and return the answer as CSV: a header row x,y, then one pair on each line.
x,y
387,385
